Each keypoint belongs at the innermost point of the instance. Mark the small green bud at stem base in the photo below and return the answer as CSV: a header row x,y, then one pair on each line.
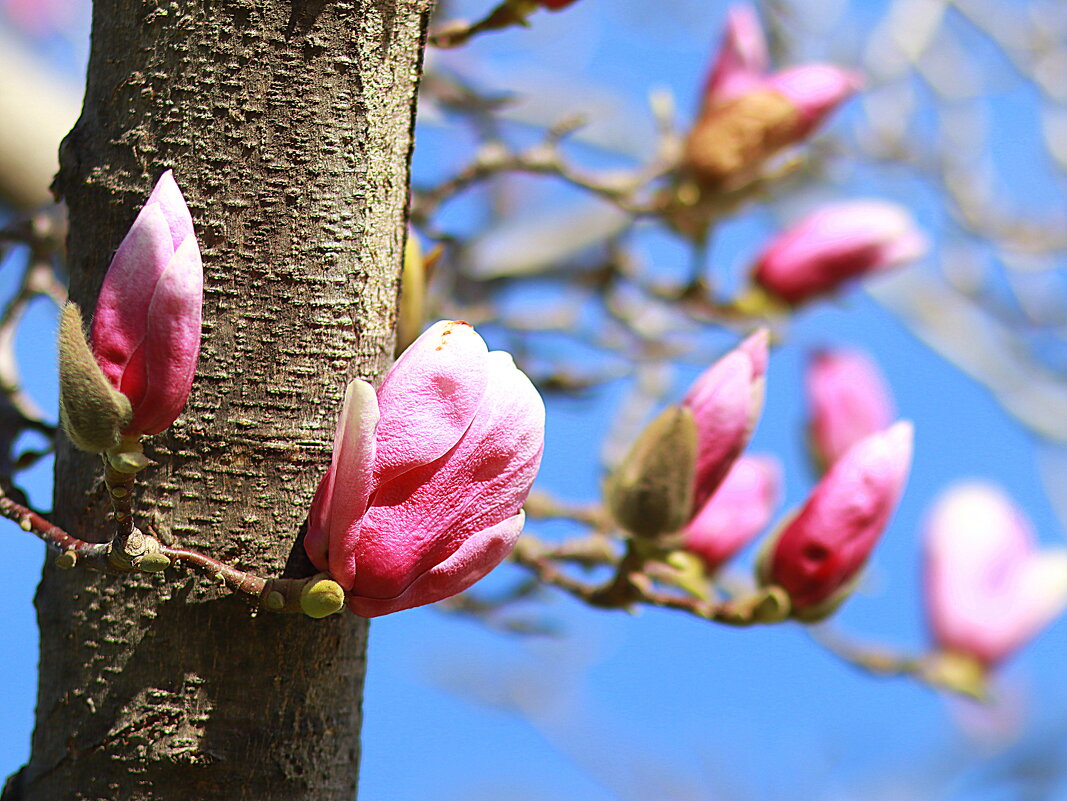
x,y
128,457
152,563
322,597
961,673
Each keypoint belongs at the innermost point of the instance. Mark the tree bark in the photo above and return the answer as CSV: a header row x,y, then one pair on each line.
x,y
288,124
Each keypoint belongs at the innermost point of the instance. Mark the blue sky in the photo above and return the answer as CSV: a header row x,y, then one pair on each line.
x,y
656,705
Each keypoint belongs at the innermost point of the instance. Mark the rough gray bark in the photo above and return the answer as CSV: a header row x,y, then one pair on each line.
x,y
288,124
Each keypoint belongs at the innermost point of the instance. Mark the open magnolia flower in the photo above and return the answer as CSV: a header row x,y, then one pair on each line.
x,y
424,494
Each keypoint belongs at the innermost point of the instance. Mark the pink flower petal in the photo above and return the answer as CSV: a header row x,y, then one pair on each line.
x,y
828,542
429,397
815,90
421,517
172,342
848,400
168,197
146,330
989,589
834,244
742,61
739,510
343,493
726,401
475,557
121,317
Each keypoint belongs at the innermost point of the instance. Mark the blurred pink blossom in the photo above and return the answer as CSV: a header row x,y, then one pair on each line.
x,y
146,330
424,493
737,512
837,243
748,113
742,61
726,401
815,91
989,588
820,553
42,17
847,400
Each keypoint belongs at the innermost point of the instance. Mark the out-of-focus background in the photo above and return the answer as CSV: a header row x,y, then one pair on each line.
x,y
963,121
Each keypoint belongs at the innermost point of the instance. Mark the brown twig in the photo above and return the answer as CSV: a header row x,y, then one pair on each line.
x,y
29,520
542,505
277,595
626,191
953,673
629,586
120,490
508,14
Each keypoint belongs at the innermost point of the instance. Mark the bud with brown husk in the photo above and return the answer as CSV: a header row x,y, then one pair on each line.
x,y
730,143
650,494
91,411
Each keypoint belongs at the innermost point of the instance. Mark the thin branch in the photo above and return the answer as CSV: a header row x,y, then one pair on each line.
x,y
949,672
276,595
629,587
508,14
626,190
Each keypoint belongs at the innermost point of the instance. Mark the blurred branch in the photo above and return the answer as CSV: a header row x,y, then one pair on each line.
x,y
631,585
508,14
986,350
950,672
628,191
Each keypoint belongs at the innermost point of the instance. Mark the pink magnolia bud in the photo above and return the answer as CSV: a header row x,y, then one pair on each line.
x,y
726,401
847,399
748,114
146,331
837,243
424,493
815,90
739,510
820,553
989,590
555,5
742,61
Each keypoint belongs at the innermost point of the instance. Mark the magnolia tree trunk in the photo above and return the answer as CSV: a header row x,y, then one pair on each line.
x,y
288,124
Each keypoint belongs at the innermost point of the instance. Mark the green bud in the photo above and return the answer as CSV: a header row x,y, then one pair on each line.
x,y
321,597
688,573
651,491
152,562
92,412
128,461
961,673
772,606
